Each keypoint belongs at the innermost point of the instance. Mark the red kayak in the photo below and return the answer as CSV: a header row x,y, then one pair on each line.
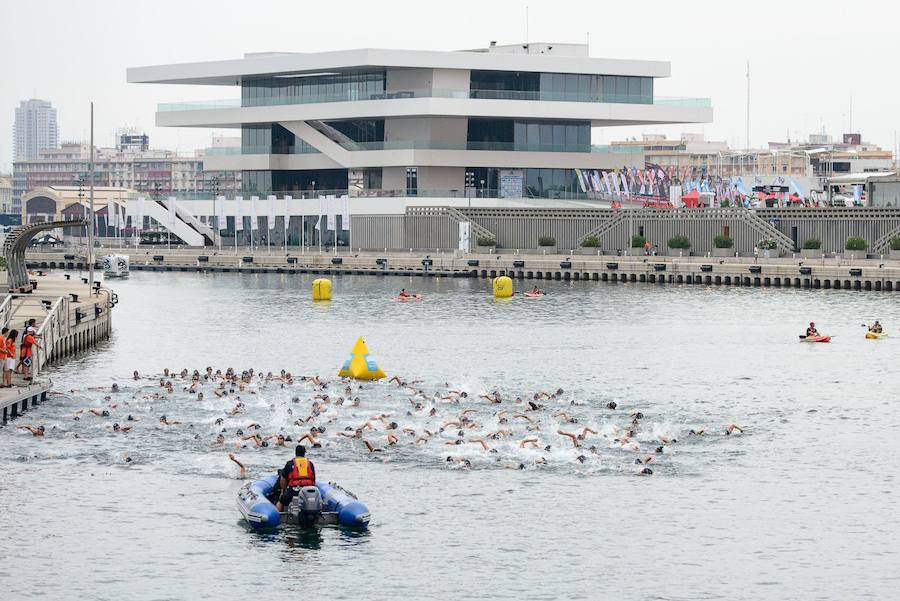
x,y
414,297
815,338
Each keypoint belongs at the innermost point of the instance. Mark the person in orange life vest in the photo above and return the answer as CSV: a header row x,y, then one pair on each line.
x,y
10,366
27,354
297,472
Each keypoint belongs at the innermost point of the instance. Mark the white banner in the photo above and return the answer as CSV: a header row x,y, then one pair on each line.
x,y
319,220
464,233
238,216
122,216
111,213
139,223
287,208
254,215
171,213
345,213
270,207
220,213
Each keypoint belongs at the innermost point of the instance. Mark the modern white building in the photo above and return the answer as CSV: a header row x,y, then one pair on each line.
x,y
498,122
35,129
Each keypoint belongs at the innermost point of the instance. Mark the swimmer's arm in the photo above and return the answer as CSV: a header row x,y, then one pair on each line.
x,y
519,415
481,442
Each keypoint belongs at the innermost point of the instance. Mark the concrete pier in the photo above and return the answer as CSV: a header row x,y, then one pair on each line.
x,y
834,274
71,318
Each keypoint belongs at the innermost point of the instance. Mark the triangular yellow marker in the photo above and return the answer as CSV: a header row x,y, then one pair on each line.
x,y
359,365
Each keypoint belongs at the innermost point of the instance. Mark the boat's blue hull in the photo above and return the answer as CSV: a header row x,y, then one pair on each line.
x,y
339,506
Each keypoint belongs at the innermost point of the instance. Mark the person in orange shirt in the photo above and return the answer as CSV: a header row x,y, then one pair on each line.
x,y
27,352
3,335
9,364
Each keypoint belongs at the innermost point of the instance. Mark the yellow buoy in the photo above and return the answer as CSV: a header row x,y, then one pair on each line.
x,y
359,365
321,289
503,287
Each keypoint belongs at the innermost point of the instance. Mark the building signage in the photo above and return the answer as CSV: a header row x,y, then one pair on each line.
x,y
512,183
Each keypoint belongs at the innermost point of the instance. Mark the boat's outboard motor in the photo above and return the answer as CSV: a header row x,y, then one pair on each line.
x,y
307,505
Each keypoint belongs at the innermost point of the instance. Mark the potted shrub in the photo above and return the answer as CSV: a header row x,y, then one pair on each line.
x,y
768,248
485,244
638,241
679,244
589,246
895,248
856,246
547,245
812,248
723,246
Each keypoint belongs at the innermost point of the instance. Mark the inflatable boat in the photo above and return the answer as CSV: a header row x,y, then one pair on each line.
x,y
312,506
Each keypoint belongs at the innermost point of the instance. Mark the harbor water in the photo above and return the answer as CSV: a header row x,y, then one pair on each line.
x,y
802,504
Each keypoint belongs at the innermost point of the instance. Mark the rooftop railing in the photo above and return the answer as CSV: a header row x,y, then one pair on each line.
x,y
355,96
433,145
553,193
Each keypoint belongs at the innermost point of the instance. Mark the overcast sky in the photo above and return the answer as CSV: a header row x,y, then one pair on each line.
x,y
808,58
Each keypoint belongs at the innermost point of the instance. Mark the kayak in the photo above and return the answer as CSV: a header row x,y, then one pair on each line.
x,y
532,295
875,335
414,297
815,338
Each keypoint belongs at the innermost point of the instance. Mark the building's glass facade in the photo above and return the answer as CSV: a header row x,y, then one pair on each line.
x,y
561,86
271,138
358,84
360,130
282,181
530,135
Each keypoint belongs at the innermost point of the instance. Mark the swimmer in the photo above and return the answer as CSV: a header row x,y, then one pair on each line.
x,y
531,440
163,420
36,432
122,429
243,471
573,437
371,448
514,466
729,430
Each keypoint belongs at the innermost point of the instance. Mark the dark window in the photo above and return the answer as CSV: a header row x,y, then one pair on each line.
x,y
412,181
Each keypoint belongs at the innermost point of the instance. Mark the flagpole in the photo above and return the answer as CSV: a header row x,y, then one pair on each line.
x,y
90,256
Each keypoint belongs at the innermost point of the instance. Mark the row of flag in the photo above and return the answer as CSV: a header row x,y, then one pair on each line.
x,y
268,208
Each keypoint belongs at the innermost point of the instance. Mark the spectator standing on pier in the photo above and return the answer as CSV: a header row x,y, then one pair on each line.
x,y
9,364
27,352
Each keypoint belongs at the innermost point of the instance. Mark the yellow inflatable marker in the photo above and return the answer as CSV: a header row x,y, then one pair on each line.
x,y
321,289
503,287
359,365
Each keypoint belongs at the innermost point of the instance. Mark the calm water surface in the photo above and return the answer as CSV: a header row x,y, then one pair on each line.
x,y
802,505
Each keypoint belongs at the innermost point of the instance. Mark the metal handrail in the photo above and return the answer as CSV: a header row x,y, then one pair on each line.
x,y
49,332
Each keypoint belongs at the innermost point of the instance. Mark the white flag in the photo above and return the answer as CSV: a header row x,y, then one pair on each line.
x,y
171,212
254,221
220,217
111,213
238,216
345,213
123,218
319,219
332,221
270,218
140,213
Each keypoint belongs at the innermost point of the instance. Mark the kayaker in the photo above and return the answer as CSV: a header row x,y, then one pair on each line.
x,y
296,473
811,331
876,328
536,291
404,293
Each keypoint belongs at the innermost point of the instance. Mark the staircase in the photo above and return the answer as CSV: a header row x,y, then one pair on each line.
x,y
605,227
766,230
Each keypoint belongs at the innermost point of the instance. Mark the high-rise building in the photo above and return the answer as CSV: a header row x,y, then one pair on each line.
x,y
5,195
504,121
35,129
